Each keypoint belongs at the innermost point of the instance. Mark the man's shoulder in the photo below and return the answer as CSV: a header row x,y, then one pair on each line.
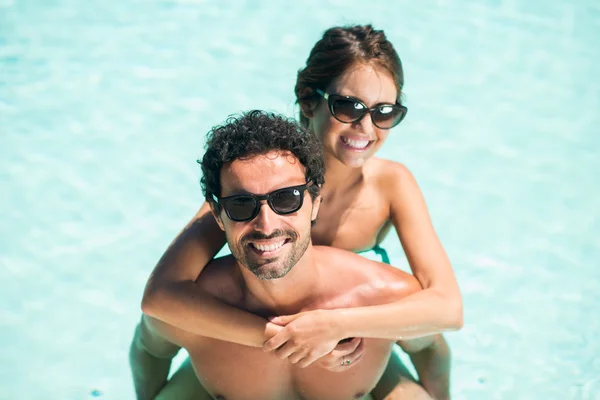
x,y
349,262
366,281
221,279
338,256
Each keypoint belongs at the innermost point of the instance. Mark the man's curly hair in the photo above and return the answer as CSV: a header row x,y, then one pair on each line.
x,y
255,133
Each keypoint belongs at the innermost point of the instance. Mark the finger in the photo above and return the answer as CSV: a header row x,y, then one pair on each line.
x,y
345,363
332,360
285,351
354,361
341,365
329,360
354,343
358,351
276,341
354,358
356,355
330,365
297,356
280,320
337,364
305,362
334,366
347,347
308,360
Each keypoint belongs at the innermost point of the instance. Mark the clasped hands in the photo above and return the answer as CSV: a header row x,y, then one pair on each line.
x,y
313,337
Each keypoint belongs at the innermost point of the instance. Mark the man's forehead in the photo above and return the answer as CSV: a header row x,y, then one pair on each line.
x,y
262,173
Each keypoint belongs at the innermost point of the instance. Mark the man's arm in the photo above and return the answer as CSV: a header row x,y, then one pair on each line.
x,y
150,357
430,356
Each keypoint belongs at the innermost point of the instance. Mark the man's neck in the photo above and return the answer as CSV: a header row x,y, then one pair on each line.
x,y
289,294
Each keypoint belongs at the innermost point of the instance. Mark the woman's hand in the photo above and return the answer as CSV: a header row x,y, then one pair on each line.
x,y
305,337
344,356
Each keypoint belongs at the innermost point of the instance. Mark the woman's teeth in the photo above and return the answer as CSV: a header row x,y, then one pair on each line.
x,y
268,247
357,144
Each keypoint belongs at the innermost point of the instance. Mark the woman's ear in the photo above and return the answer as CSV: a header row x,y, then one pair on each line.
x,y
307,102
307,108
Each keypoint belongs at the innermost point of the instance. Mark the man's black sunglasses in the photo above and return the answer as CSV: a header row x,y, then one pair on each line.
x,y
245,207
348,109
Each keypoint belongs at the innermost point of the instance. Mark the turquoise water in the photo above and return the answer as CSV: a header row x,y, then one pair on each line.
x,y
103,111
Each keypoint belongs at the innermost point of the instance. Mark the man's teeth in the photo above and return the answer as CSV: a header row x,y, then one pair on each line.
x,y
357,144
268,247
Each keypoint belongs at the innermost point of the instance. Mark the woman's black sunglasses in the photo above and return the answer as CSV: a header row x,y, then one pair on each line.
x,y
245,207
348,109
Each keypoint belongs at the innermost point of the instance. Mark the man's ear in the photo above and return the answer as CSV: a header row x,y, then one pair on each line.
x,y
315,208
216,212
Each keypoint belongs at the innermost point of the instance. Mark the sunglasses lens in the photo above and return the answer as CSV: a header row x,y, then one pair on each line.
x,y
240,208
387,116
347,110
287,200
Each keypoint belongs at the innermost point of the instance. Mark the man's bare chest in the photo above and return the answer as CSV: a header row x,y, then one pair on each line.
x,y
234,372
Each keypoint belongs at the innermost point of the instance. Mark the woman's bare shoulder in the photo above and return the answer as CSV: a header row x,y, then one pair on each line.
x,y
393,180
386,170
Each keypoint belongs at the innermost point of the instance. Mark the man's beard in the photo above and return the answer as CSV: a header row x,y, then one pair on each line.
x,y
270,268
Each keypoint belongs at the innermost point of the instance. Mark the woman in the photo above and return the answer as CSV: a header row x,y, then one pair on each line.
x,y
349,96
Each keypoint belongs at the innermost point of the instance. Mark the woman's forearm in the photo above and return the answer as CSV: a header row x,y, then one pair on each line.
x,y
424,313
173,296
188,307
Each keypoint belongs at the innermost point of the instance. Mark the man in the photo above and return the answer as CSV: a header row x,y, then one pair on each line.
x,y
262,177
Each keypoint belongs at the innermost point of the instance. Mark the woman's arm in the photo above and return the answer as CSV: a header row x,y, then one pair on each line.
x,y
172,296
435,309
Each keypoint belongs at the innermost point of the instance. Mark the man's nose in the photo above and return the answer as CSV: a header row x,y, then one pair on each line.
x,y
266,220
